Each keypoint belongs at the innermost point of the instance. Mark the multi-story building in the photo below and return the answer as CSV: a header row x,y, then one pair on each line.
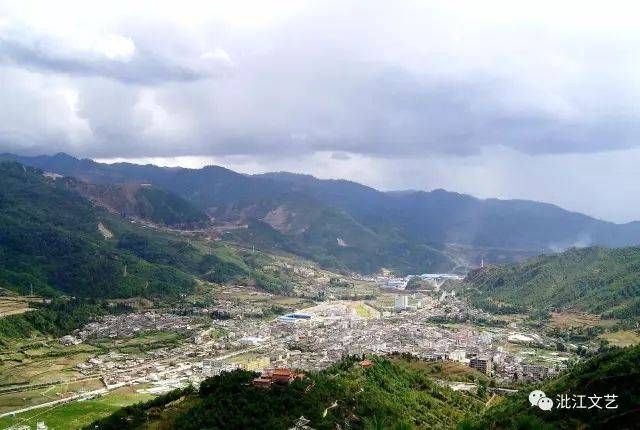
x,y
401,302
481,364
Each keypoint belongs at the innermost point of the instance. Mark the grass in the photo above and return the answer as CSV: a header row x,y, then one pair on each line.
x,y
563,320
383,301
292,302
365,311
9,307
219,332
78,414
622,338
23,399
246,357
448,370
142,342
40,370
57,349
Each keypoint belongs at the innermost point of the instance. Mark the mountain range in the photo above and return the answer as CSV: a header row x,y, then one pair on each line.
x,y
350,226
59,236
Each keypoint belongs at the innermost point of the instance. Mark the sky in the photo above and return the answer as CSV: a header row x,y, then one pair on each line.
x,y
534,100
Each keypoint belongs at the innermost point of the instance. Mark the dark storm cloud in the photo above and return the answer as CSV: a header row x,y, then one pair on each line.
x,y
493,98
411,81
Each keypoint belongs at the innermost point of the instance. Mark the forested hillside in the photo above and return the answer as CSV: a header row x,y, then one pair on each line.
x,y
598,280
346,395
57,318
613,373
330,236
54,241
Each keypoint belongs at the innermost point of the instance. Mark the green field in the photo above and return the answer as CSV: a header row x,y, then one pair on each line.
x,y
365,311
41,370
77,414
567,319
23,399
622,338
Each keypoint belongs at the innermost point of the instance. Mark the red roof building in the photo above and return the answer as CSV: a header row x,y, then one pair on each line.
x,y
282,376
366,363
277,376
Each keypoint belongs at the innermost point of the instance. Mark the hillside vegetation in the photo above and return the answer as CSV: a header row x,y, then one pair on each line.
x,y
55,319
330,236
347,395
54,241
597,280
615,372
50,240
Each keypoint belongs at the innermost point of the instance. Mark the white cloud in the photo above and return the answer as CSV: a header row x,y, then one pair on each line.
x,y
115,47
464,89
218,56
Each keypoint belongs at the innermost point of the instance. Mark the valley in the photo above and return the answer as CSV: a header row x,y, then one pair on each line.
x,y
134,297
157,348
319,215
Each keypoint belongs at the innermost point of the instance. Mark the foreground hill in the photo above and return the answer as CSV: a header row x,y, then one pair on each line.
x,y
597,280
616,372
496,230
391,395
345,395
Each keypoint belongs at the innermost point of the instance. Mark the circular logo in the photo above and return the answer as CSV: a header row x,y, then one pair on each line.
x,y
535,396
545,404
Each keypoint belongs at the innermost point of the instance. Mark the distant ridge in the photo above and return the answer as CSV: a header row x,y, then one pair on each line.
x,y
423,230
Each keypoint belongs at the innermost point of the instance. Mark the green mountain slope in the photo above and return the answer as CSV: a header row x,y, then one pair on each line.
x,y
597,280
346,395
55,241
616,372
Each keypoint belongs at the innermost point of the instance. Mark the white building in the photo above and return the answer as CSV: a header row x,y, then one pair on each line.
x,y
251,340
398,283
458,355
401,303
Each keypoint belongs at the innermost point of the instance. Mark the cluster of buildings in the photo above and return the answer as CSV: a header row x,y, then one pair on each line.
x,y
400,283
395,283
118,326
304,340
